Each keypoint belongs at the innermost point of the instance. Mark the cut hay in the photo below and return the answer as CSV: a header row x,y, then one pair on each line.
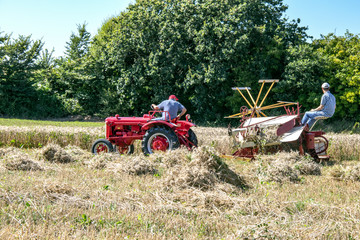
x,y
58,189
54,153
78,154
285,167
279,171
203,171
184,177
349,173
172,158
100,161
308,167
138,166
354,173
133,165
64,193
8,150
202,200
21,161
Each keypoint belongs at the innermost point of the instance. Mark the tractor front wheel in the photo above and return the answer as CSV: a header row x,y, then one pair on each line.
x,y
102,146
126,150
159,139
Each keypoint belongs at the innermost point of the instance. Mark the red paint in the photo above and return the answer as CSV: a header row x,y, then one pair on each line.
x,y
123,131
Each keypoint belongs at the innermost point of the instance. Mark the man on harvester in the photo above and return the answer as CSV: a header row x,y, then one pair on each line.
x,y
170,107
325,110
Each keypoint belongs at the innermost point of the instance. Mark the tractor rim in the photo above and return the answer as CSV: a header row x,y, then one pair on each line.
x,y
101,148
123,150
158,142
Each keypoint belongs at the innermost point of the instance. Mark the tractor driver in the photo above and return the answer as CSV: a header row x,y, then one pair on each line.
x,y
170,106
326,108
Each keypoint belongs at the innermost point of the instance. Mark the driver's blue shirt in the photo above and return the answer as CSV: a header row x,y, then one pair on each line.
x,y
171,106
329,102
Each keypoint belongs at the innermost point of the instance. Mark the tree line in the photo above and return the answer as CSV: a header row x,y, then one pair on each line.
x,y
195,49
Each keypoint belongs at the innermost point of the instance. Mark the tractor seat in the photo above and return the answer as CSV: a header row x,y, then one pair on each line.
x,y
317,119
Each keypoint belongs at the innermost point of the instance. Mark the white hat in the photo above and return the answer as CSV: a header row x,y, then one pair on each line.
x,y
325,85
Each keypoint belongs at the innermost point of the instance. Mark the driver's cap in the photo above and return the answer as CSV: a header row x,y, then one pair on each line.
x,y
173,97
325,85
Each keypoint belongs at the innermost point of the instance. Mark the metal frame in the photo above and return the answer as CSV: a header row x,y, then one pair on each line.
x,y
255,109
306,136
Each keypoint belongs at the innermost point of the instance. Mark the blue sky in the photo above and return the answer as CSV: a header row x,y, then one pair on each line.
x,y
53,21
326,16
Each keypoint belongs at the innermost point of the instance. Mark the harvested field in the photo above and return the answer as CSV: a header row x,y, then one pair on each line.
x,y
175,195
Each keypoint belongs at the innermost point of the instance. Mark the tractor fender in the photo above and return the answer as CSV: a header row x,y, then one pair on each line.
x,y
149,125
185,125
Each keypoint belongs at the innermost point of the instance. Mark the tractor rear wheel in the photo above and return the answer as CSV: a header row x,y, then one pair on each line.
x,y
192,138
102,146
159,139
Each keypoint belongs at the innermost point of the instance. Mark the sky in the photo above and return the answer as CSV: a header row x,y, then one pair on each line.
x,y
326,16
53,21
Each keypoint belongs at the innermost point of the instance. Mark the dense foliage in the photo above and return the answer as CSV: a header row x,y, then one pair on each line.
x,y
332,59
19,92
196,50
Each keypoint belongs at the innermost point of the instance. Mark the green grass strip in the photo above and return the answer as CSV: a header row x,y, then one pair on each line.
x,y
26,123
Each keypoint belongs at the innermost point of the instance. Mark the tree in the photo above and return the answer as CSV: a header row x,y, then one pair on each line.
x,y
78,46
343,54
333,59
195,49
304,73
18,62
74,83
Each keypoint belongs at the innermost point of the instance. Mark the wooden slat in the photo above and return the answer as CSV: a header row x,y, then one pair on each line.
x,y
241,88
268,80
286,102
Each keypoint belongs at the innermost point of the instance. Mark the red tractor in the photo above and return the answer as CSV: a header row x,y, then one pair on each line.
x,y
156,135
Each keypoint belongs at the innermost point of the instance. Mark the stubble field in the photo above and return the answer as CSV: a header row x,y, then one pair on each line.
x,y
52,187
